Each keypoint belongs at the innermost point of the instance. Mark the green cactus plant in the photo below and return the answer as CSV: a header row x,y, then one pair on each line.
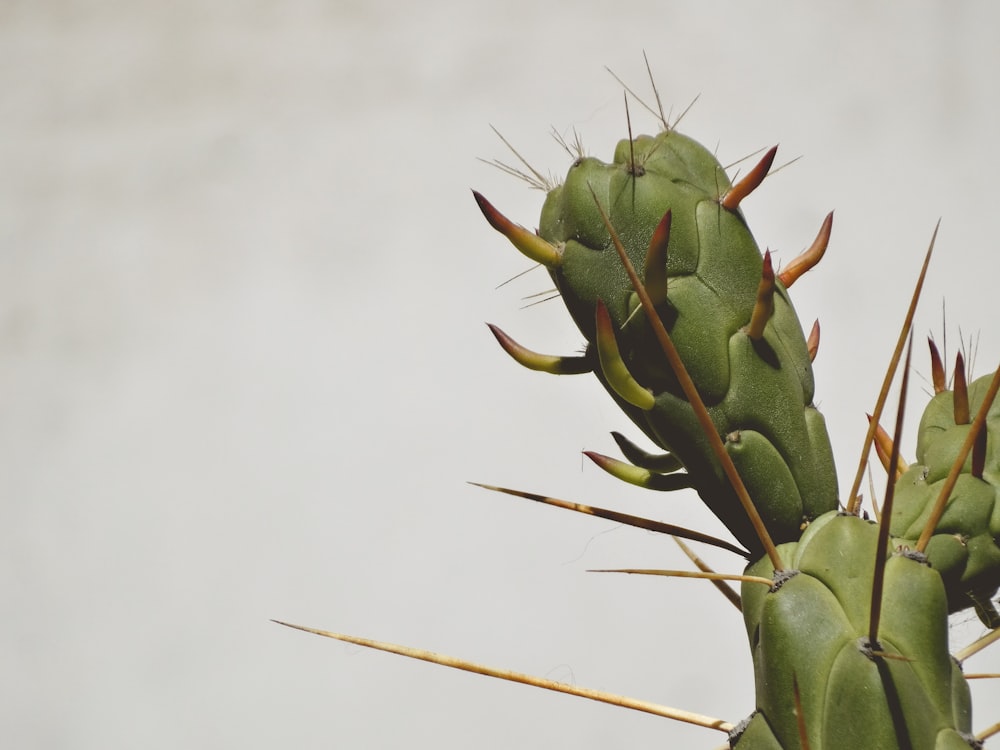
x,y
846,618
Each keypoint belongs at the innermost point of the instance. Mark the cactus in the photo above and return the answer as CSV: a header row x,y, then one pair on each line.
x,y
846,618
964,546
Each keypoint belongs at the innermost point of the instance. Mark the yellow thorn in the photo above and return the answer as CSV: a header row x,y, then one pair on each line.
x,y
540,362
527,242
613,366
505,674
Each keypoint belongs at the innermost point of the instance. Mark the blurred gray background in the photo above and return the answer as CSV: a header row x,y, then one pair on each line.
x,y
244,372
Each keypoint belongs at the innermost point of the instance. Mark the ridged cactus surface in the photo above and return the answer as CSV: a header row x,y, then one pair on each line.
x,y
809,634
705,271
964,547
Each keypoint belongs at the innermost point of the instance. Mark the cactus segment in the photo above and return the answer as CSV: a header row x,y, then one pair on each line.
x,y
556,365
965,545
729,317
904,691
530,244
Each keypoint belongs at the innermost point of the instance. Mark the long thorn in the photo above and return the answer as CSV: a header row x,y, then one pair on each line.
x,y
505,674
853,502
712,576
724,588
976,646
693,397
881,552
800,719
623,518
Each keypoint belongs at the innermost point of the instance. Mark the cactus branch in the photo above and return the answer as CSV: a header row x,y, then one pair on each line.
x,y
810,256
505,674
979,423
854,500
731,200
693,397
542,362
623,518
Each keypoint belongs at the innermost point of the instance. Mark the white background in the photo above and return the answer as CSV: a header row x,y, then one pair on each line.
x,y
244,372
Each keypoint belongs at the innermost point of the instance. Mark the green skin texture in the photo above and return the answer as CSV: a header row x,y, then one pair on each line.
x,y
759,394
964,548
809,631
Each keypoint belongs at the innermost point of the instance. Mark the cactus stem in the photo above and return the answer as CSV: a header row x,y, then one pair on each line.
x,y
724,588
525,679
979,423
881,551
961,394
639,476
661,463
812,343
855,502
709,576
623,518
693,397
810,256
937,368
529,243
655,272
731,200
553,364
613,366
763,308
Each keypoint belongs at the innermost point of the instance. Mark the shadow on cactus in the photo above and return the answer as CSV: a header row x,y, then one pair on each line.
x,y
693,334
